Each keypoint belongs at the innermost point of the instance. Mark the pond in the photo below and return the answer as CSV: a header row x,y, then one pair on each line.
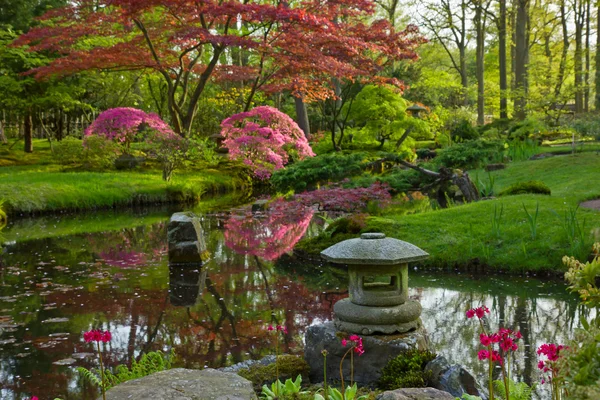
x,y
63,275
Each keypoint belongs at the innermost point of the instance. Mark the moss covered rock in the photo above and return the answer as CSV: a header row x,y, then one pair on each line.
x,y
289,368
535,187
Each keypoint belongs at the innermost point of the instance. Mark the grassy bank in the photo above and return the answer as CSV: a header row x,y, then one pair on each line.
x,y
470,235
32,184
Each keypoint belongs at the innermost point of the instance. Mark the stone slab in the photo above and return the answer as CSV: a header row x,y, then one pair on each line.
x,y
185,384
415,394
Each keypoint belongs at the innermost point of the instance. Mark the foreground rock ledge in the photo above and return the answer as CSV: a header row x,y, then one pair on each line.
x,y
184,384
416,394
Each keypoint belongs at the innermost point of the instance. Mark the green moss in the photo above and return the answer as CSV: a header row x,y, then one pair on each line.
x,y
407,370
289,368
534,187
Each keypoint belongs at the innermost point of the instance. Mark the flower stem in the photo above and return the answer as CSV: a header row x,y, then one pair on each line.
x,y
504,377
342,372
276,363
351,368
101,372
491,376
325,375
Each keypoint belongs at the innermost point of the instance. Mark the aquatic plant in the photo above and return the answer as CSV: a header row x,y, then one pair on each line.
x,y
96,335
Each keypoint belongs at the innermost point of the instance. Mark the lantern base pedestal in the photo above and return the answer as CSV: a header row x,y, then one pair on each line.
x,y
367,320
379,349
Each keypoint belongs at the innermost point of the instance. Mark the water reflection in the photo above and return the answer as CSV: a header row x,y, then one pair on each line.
x,y
53,289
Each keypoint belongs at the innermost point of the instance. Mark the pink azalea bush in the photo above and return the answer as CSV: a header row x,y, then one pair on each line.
x,y
265,139
122,124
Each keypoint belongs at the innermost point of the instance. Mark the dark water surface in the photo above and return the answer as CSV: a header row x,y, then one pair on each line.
x,y
61,276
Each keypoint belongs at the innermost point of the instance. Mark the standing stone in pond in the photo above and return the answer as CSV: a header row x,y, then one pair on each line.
x,y
185,238
378,286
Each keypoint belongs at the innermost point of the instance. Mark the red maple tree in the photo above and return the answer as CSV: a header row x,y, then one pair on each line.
x,y
300,45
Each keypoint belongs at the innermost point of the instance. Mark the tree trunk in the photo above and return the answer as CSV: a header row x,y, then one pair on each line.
x,y
579,10
302,116
28,133
462,53
565,50
480,53
521,58
502,60
3,139
598,59
586,75
60,125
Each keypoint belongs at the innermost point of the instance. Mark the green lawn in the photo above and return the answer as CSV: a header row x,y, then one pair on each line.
x,y
32,183
463,236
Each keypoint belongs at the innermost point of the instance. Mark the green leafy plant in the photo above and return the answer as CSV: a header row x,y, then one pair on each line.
x,y
486,188
3,217
516,390
279,390
150,363
407,370
534,187
575,232
532,219
497,220
348,394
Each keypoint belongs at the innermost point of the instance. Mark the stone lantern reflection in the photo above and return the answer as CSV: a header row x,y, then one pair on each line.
x,y
378,285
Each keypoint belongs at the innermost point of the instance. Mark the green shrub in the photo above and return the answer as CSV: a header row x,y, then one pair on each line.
x,y
463,130
471,154
311,172
353,224
535,187
529,128
407,370
96,153
425,144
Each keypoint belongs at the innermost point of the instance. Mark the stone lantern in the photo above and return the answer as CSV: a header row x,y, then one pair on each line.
x,y
378,286
416,110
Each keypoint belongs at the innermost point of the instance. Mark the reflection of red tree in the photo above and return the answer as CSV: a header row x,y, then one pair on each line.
x,y
271,236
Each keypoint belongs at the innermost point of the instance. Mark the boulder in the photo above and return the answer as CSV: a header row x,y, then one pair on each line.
x,y
260,205
127,161
185,384
415,394
494,167
454,379
185,240
379,349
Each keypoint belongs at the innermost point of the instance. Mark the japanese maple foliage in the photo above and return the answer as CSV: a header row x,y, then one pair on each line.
x,y
265,139
274,45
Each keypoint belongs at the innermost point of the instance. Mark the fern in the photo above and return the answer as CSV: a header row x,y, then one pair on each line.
x,y
150,363
517,391
90,376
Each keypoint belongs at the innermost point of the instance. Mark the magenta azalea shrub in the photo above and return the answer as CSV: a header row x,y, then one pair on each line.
x,y
265,139
123,124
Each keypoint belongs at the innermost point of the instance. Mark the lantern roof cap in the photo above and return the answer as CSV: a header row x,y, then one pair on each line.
x,y
373,249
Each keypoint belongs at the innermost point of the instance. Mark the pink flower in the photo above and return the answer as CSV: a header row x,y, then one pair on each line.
x,y
282,329
96,335
479,312
485,340
34,398
483,354
541,364
344,342
270,328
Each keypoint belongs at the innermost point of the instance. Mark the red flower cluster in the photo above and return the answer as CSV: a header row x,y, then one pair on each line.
x,y
494,355
552,352
97,335
278,328
505,337
479,312
356,342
